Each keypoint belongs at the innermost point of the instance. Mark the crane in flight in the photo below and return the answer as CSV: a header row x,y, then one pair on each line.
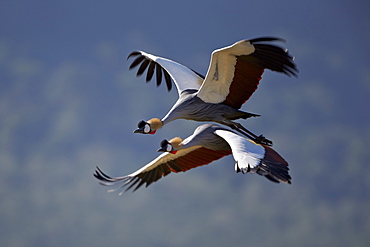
x,y
208,143
233,76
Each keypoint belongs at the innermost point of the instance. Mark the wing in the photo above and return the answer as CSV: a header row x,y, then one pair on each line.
x,y
256,158
183,77
235,71
164,164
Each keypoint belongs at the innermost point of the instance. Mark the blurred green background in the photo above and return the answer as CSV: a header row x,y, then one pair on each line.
x,y
69,103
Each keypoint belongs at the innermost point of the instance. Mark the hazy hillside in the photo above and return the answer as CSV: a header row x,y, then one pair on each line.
x,y
68,103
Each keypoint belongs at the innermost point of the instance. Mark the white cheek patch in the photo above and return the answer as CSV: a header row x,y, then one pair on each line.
x,y
146,128
169,148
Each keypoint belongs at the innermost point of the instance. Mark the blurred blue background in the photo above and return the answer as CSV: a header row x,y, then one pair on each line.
x,y
69,103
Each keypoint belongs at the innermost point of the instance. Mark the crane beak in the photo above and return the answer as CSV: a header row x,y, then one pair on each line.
x,y
142,130
139,130
163,150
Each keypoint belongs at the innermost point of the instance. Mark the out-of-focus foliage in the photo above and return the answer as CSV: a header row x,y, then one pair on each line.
x,y
68,103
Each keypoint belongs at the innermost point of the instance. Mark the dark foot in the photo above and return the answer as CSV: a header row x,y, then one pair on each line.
x,y
262,140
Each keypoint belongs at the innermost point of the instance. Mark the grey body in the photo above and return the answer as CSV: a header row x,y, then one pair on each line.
x,y
189,106
205,137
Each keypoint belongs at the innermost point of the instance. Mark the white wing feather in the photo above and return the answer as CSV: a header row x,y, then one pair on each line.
x,y
221,71
183,77
245,152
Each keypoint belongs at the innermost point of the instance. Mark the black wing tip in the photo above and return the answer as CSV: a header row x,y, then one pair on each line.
x,y
266,39
168,80
107,180
275,172
133,54
124,183
99,174
151,67
103,178
274,179
292,71
276,59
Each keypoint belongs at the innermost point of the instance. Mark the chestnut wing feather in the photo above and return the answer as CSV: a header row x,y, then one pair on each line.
x,y
235,71
162,166
249,70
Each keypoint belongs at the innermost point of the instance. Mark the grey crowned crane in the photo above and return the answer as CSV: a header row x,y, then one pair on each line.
x,y
233,75
208,143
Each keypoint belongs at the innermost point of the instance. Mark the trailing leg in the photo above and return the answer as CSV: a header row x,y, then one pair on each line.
x,y
241,129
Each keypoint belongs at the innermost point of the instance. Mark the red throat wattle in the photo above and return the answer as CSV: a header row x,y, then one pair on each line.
x,y
153,132
174,152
